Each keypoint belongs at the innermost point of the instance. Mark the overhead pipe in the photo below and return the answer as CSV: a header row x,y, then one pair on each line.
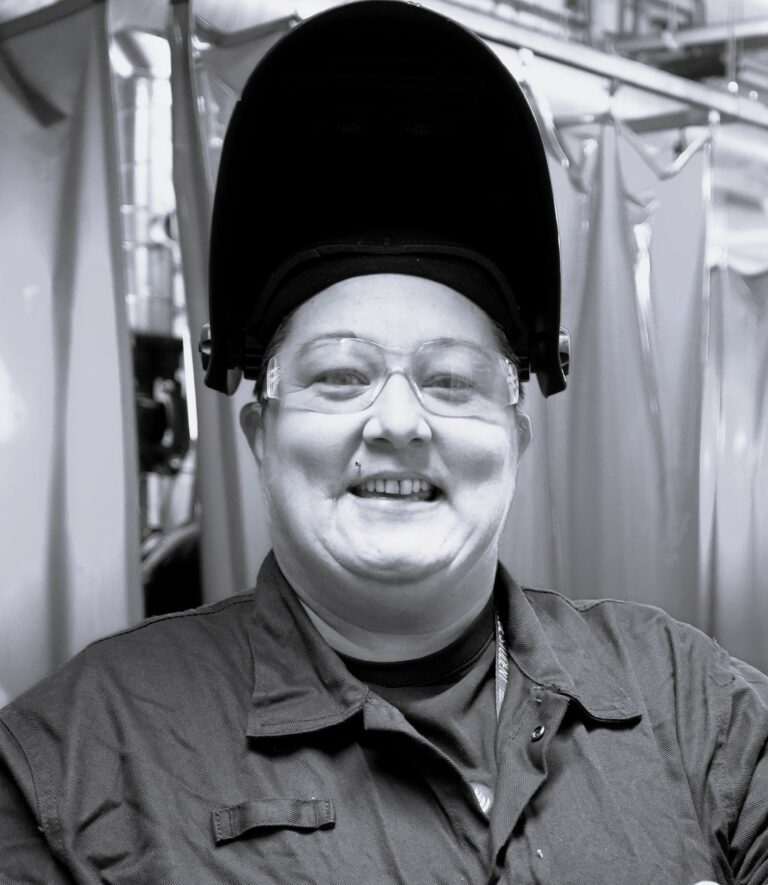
x,y
731,107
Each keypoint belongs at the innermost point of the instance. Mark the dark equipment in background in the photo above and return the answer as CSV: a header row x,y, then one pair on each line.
x,y
171,573
161,410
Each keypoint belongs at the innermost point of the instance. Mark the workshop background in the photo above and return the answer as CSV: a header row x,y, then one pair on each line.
x,y
126,487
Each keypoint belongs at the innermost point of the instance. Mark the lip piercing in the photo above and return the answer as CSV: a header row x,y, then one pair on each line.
x,y
359,467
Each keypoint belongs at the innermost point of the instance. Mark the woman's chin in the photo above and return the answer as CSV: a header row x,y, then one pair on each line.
x,y
394,564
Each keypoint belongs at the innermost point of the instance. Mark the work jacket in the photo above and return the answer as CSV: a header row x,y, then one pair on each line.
x,y
231,744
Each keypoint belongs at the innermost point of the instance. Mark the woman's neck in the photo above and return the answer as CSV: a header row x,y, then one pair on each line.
x,y
371,645
369,622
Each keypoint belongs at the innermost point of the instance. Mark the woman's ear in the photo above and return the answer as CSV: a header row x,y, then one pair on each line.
x,y
252,424
524,433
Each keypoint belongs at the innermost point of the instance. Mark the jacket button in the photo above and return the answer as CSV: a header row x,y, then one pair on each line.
x,y
538,733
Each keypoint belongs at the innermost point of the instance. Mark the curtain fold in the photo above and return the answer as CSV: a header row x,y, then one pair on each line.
x,y
615,492
69,561
207,76
734,465
532,543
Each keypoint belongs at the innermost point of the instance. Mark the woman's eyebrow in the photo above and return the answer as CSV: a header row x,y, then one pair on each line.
x,y
349,333
447,339
339,333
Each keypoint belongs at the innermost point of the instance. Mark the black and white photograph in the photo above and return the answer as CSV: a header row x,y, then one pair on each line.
x,y
384,442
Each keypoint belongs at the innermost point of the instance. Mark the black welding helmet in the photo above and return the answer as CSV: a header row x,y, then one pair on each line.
x,y
381,137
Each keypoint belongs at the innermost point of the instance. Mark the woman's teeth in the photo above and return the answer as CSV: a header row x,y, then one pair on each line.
x,y
419,488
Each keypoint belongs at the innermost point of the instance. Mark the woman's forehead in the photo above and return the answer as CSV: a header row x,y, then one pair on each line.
x,y
393,309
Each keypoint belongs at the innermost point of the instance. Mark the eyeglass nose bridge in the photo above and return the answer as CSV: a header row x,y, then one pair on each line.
x,y
406,372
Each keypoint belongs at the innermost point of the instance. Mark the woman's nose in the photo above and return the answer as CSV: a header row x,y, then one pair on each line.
x,y
397,416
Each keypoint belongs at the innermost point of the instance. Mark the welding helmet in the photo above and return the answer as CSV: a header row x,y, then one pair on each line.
x,y
382,137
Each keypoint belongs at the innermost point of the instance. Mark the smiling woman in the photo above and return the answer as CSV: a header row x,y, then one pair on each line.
x,y
436,552
388,705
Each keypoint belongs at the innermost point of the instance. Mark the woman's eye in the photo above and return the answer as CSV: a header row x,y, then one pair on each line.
x,y
341,378
447,382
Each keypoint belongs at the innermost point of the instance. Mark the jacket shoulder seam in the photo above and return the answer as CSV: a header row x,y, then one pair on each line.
x,y
243,598
585,605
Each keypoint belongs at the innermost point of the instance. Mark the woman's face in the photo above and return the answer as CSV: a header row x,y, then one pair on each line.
x,y
309,460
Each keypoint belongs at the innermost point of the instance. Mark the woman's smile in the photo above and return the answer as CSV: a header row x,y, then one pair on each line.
x,y
412,489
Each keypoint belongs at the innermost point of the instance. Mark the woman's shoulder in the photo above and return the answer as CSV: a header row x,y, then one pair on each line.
x,y
151,669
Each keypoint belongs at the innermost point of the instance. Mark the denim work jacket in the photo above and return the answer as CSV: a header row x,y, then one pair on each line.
x,y
231,744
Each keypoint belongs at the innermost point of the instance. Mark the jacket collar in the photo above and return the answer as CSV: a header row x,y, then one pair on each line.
x,y
554,645
301,685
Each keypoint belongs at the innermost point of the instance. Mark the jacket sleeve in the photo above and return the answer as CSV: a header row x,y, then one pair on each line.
x,y
746,752
24,852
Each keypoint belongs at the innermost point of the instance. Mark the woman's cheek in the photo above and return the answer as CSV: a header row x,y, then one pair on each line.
x,y
310,449
485,457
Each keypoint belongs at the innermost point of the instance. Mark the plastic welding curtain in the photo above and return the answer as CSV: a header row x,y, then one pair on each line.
x,y
648,479
618,453
69,546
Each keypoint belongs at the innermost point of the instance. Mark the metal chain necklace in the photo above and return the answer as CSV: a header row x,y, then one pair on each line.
x,y
484,793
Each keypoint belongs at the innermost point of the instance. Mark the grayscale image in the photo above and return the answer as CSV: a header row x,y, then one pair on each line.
x,y
384,442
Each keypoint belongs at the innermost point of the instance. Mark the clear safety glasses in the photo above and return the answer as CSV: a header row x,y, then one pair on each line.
x,y
342,375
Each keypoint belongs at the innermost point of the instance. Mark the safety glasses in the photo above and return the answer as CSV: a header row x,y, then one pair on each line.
x,y
343,375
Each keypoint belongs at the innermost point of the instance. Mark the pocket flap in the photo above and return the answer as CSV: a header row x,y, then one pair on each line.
x,y
296,814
